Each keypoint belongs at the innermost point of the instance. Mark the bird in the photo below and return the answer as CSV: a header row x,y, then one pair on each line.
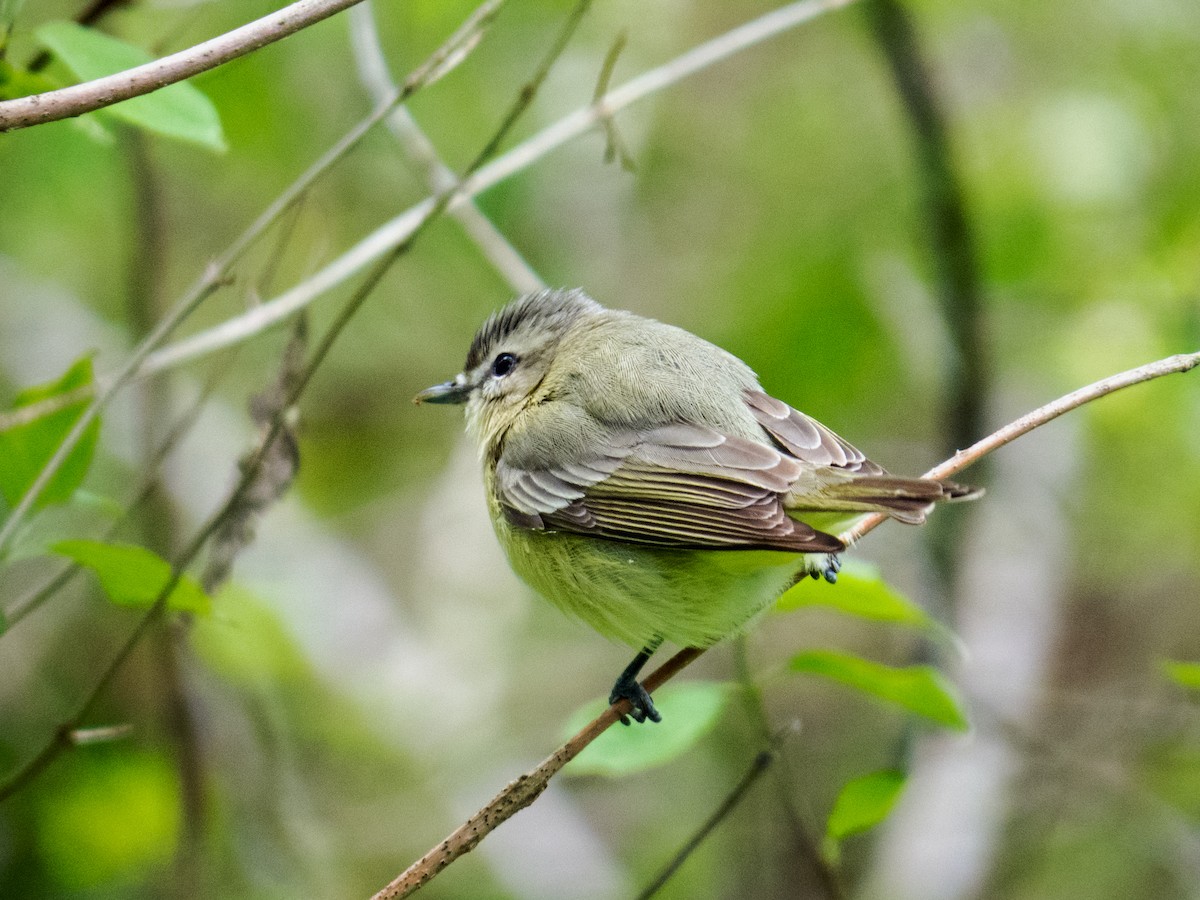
x,y
640,478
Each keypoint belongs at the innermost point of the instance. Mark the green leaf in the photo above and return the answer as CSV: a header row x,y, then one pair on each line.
x,y
689,712
109,817
1184,674
919,689
177,111
134,576
860,591
25,448
863,803
16,82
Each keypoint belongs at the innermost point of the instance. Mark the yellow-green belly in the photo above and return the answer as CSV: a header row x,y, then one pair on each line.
x,y
632,593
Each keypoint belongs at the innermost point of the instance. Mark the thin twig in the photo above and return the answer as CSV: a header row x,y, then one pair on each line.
x,y
217,272
614,146
757,769
823,870
1182,362
522,792
373,73
253,322
77,99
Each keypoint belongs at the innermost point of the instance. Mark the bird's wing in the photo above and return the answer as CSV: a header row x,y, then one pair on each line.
x,y
679,486
807,439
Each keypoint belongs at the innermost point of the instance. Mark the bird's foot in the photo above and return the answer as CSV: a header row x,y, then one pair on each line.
x,y
833,565
641,706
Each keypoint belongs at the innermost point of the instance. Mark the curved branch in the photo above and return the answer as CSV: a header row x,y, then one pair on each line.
x,y
77,99
528,787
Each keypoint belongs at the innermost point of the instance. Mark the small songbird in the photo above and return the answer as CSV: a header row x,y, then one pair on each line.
x,y
639,477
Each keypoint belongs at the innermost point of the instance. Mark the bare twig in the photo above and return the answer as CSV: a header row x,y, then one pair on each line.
x,y
272,312
1182,362
757,769
217,271
374,74
77,99
522,792
615,147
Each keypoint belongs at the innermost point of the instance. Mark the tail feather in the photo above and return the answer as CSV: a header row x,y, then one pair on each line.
x,y
907,500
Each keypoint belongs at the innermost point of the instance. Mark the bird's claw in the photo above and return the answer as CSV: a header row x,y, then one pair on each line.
x,y
641,706
833,565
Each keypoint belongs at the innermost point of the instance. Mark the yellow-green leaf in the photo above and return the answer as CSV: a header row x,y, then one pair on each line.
x,y
134,576
689,712
27,446
177,111
863,803
1184,674
919,689
860,591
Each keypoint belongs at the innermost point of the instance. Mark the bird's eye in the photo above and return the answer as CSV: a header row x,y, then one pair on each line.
x,y
503,364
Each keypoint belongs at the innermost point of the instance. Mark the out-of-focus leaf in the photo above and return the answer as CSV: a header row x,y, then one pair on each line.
x,y
16,82
134,576
114,816
248,644
863,803
1184,674
919,689
860,591
25,448
689,712
177,111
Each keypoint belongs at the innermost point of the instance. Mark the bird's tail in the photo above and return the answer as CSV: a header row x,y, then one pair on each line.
x,y
907,500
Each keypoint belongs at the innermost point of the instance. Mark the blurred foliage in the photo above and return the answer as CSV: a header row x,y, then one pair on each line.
x,y
375,673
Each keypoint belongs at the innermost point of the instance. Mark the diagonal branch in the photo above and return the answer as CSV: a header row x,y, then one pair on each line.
x,y
528,787
77,99
373,73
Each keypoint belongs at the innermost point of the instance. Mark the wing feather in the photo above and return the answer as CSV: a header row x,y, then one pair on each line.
x,y
681,486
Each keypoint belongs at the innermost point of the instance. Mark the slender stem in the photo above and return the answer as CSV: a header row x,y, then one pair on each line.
x,y
77,99
373,73
757,769
523,791
1182,362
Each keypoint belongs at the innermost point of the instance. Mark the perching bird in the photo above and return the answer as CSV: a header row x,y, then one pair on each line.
x,y
639,478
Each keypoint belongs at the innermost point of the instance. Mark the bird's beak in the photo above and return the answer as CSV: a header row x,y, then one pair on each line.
x,y
455,391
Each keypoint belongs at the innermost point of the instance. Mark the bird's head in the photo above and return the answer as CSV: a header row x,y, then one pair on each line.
x,y
509,358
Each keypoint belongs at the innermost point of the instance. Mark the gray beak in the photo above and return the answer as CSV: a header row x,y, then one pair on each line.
x,y
455,391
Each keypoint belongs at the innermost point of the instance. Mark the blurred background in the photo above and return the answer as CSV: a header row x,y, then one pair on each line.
x,y
914,222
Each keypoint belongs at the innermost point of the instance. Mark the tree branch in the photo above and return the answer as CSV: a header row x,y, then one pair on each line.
x,y
375,77
77,99
528,787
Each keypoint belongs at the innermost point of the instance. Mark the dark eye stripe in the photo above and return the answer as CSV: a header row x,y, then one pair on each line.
x,y
503,364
